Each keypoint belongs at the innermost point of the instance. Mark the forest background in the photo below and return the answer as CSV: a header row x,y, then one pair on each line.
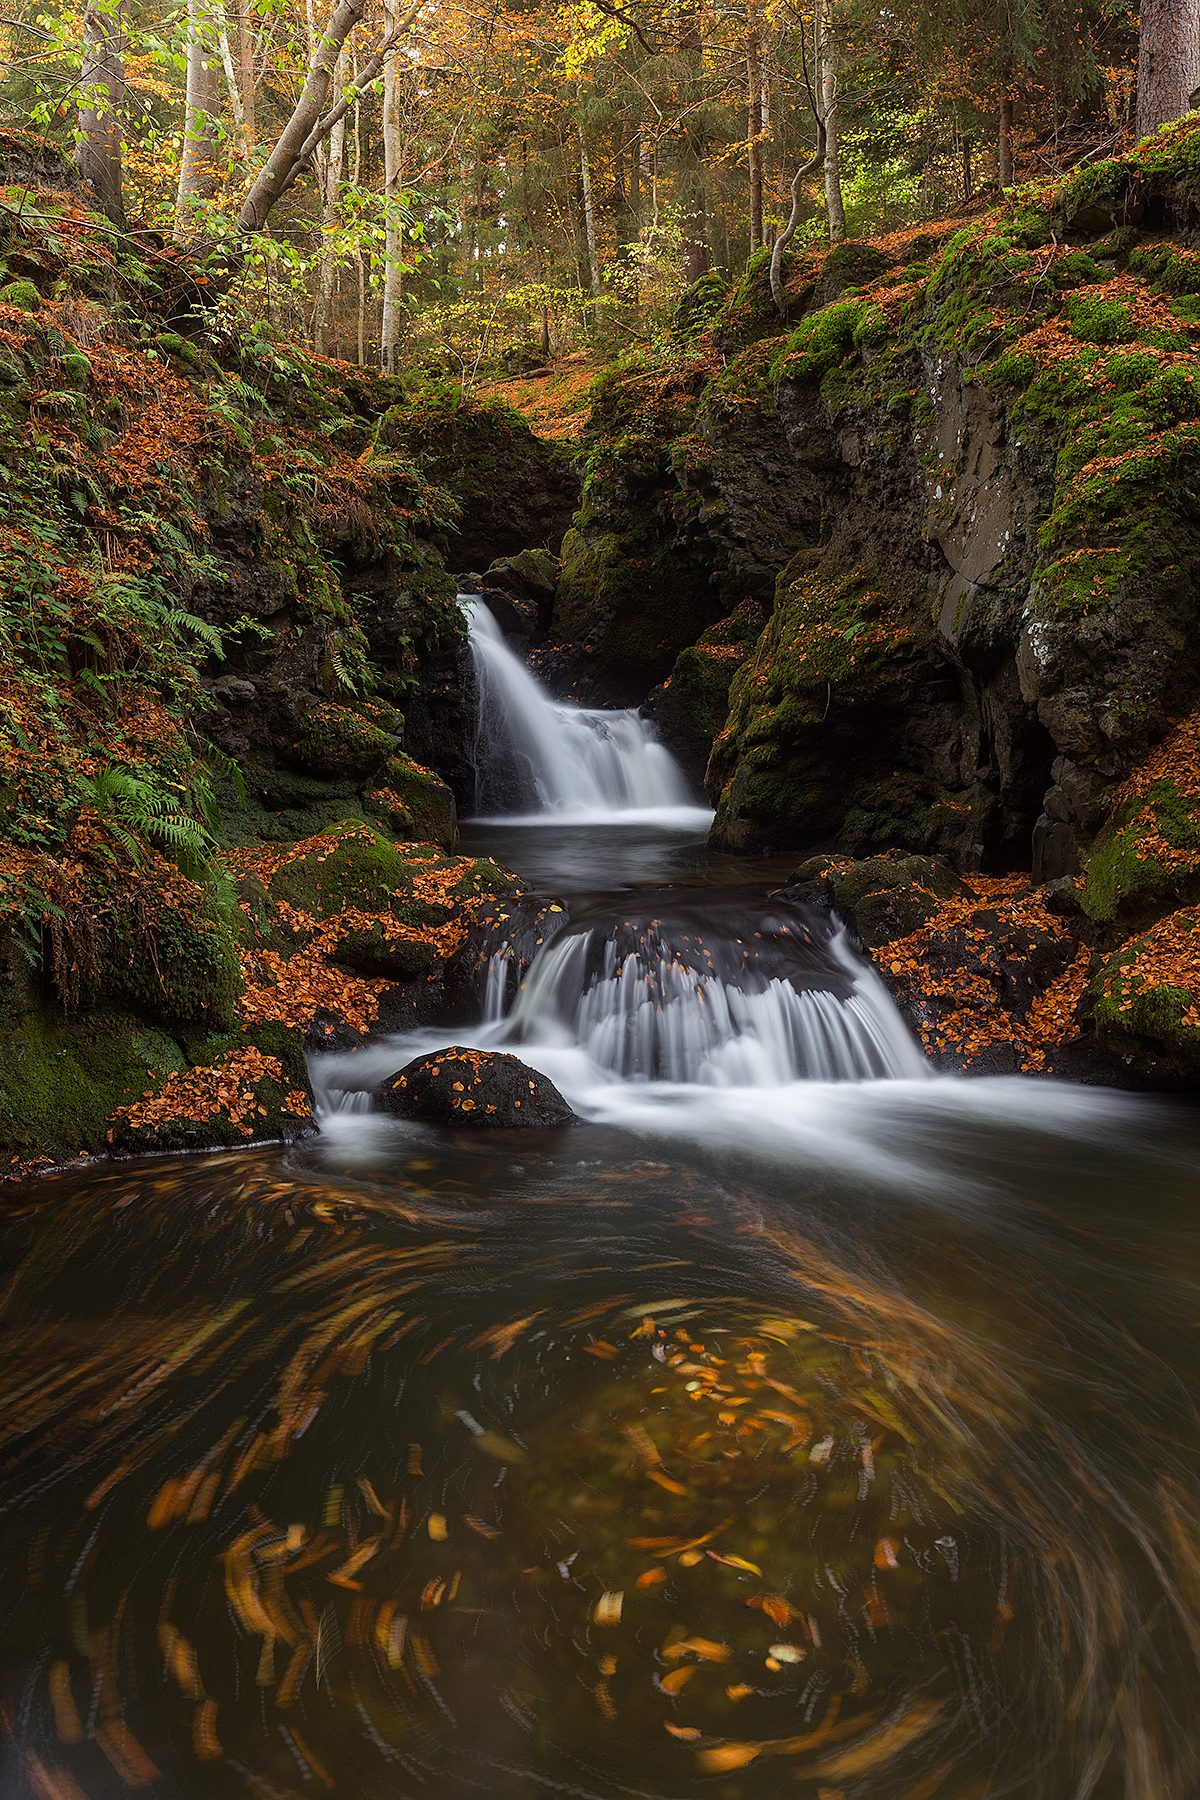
x,y
475,187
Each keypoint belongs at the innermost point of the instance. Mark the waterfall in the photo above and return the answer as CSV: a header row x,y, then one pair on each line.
x,y
760,1003
536,756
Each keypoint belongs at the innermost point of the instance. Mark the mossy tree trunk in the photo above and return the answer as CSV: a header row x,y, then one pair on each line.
x,y
1168,55
754,125
1004,144
827,80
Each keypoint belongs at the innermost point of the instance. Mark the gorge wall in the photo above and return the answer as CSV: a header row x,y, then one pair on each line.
x,y
939,528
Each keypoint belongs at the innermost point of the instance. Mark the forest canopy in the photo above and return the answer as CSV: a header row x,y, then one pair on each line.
x,y
463,184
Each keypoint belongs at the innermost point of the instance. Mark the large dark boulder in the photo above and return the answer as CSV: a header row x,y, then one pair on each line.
x,y
457,1086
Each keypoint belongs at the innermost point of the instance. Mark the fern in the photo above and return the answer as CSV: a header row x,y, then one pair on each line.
x,y
136,811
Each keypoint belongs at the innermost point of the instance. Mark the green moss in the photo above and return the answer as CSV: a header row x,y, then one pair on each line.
x,y
22,294
1147,1020
416,804
77,370
820,343
62,1077
1095,320
351,866
1146,855
171,344
182,967
339,743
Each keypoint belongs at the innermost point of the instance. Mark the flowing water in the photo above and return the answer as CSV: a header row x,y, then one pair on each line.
x,y
797,1423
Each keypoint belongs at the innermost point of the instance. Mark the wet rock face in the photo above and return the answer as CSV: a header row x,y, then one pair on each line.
x,y
473,1088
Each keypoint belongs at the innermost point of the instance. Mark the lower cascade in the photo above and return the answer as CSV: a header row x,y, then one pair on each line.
x,y
534,755
758,1000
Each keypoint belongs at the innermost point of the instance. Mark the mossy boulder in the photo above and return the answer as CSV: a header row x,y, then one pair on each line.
x,y
350,866
415,803
62,1076
1145,859
180,965
1146,1002
237,1088
812,717
883,897
638,609
473,1089
692,705
338,743
22,294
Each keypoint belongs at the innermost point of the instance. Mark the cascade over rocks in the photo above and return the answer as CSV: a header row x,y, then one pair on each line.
x,y
473,1088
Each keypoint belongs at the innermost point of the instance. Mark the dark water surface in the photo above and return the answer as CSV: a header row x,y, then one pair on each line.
x,y
823,1440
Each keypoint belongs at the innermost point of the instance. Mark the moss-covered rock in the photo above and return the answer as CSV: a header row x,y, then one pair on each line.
x,y
812,721
238,1088
691,706
414,803
62,1077
21,293
335,742
180,965
1146,1002
884,897
349,867
1146,858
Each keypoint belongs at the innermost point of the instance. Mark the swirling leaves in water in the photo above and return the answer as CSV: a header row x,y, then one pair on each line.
x,y
309,1493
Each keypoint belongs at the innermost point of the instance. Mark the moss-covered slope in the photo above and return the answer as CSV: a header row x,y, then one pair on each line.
x,y
225,625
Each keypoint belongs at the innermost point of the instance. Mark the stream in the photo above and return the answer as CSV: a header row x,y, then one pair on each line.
x,y
797,1423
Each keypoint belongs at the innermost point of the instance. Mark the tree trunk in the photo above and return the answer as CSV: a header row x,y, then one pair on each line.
x,y
231,83
306,127
1168,45
589,222
754,125
198,169
102,94
693,199
246,44
966,169
826,75
331,183
393,157
1004,147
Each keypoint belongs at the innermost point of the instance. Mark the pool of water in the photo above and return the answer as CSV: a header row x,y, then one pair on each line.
x,y
757,1435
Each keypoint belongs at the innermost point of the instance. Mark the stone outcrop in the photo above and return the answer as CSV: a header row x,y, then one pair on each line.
x,y
473,1090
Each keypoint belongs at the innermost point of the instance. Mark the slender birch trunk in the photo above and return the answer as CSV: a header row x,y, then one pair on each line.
x,y
232,84
246,46
589,222
331,181
826,73
393,153
198,169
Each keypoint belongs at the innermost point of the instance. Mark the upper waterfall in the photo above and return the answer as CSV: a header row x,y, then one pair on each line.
x,y
537,757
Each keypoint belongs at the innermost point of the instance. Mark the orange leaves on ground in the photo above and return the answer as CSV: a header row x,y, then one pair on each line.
x,y
228,1088
971,1015
1167,956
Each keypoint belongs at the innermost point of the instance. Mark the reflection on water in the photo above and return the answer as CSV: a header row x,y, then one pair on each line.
x,y
402,1465
666,850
